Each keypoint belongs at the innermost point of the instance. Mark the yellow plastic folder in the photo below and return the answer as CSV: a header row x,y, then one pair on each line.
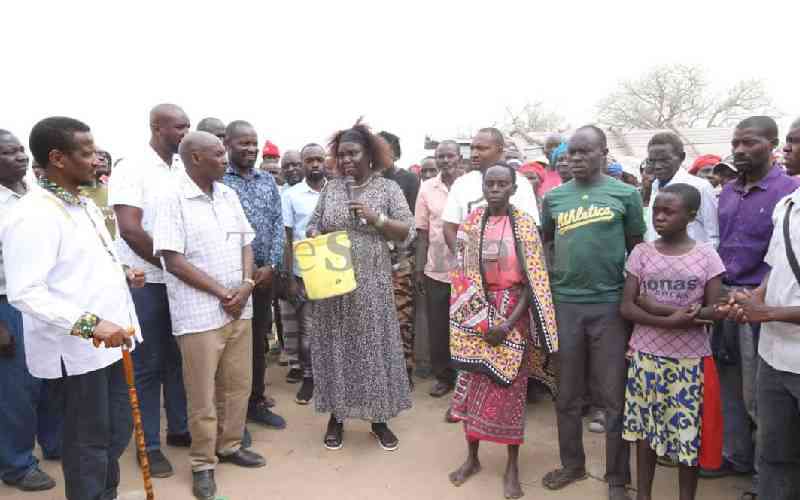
x,y
326,265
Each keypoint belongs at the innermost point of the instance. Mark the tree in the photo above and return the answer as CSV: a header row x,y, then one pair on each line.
x,y
533,117
679,96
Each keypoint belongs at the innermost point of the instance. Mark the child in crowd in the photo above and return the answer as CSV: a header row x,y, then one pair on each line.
x,y
671,287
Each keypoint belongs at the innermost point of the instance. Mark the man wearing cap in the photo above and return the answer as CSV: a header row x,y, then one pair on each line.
x,y
703,166
666,154
723,173
270,162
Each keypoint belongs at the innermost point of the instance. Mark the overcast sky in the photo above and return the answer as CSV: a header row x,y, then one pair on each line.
x,y
298,70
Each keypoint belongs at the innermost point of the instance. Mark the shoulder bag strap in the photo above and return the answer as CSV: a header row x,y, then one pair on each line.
x,y
787,241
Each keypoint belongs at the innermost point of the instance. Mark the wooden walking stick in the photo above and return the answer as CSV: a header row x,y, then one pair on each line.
x,y
127,363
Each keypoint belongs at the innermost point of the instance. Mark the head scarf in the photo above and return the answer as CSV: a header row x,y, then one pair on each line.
x,y
704,161
557,153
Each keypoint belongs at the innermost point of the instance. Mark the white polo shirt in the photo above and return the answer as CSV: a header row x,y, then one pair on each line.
x,y
466,194
140,182
298,203
57,269
779,344
8,198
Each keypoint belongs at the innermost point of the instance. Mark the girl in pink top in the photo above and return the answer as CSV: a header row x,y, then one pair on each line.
x,y
670,293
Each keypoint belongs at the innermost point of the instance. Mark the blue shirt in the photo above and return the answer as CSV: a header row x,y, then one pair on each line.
x,y
299,202
261,202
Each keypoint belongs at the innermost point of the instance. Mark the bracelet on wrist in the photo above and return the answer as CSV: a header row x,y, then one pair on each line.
x,y
84,327
380,221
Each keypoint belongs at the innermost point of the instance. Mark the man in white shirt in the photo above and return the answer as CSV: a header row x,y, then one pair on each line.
x,y
65,277
298,203
135,186
665,154
776,305
27,412
204,238
467,191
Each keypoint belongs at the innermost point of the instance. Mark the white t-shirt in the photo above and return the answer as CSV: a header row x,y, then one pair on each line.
x,y
466,194
779,344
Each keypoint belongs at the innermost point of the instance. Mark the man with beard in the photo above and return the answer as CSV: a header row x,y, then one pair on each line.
x,y
403,258
299,202
213,126
72,289
261,201
134,188
27,411
745,229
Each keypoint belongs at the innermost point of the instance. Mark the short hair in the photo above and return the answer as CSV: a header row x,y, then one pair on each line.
x,y
598,131
497,136
206,124
795,124
106,154
56,132
451,142
393,141
667,139
311,145
426,159
510,169
4,132
764,123
235,125
689,194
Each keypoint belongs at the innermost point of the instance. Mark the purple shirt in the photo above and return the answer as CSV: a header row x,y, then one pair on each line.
x,y
745,225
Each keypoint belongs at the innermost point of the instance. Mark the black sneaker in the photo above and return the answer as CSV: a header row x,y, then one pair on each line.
x,y
294,376
306,392
260,414
386,438
34,480
159,465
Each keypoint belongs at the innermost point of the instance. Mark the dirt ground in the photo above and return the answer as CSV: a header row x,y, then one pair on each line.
x,y
300,468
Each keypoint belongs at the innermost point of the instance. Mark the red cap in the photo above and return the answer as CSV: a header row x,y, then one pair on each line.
x,y
704,161
271,150
533,166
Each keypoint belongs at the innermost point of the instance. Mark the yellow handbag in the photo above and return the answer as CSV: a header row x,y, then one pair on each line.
x,y
326,265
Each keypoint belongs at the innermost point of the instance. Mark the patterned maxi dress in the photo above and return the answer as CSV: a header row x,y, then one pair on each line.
x,y
356,351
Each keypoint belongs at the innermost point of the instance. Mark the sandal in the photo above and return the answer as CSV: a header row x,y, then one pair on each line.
x,y
559,478
333,436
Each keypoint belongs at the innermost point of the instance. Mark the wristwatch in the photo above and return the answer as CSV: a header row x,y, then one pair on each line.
x,y
381,221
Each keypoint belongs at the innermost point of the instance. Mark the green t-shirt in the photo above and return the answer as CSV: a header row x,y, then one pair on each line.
x,y
590,225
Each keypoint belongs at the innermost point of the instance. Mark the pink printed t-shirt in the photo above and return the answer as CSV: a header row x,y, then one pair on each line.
x,y
500,265
677,281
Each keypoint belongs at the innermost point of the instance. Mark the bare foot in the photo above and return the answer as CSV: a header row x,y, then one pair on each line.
x,y
469,469
511,486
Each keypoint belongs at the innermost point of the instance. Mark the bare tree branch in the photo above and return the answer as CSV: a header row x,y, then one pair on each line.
x,y
677,96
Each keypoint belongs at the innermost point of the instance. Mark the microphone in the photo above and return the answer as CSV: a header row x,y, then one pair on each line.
x,y
349,182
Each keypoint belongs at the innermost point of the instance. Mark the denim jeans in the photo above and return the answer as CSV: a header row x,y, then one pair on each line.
x,y
97,429
29,408
157,363
778,433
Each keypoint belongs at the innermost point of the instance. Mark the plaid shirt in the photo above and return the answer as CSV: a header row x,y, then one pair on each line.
x,y
261,202
211,232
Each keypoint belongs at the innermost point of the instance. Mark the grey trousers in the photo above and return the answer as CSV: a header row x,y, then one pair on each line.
x,y
297,323
599,334
779,433
738,374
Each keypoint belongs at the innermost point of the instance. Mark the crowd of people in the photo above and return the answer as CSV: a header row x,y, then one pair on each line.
x,y
664,307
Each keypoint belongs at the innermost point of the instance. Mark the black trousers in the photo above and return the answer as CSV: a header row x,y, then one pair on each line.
x,y
437,295
262,327
97,429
